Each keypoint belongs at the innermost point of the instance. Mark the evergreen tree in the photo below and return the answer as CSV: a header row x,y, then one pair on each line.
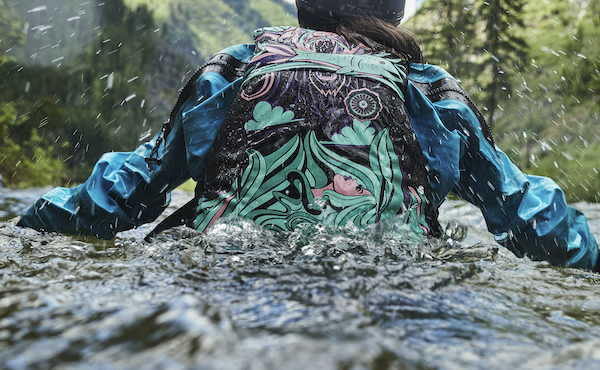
x,y
26,158
502,50
10,30
448,35
581,70
94,103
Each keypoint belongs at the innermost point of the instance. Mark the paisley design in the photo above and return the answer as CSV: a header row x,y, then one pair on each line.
x,y
261,89
363,104
302,39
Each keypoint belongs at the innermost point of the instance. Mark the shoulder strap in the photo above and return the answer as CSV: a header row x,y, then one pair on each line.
x,y
224,64
447,88
231,69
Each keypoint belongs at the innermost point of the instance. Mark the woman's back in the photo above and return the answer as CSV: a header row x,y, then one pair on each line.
x,y
318,133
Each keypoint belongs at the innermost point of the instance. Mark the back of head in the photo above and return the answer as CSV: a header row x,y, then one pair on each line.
x,y
325,15
373,23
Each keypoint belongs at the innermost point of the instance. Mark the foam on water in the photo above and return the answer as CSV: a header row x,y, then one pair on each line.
x,y
241,297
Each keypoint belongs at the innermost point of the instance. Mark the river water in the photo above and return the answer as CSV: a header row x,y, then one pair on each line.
x,y
319,298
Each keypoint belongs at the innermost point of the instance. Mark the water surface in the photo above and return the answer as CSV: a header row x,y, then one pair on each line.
x,y
319,298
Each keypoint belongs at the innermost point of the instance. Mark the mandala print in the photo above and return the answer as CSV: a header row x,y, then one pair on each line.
x,y
363,104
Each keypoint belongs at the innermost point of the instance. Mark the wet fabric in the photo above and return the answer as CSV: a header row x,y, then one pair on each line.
x,y
319,133
528,214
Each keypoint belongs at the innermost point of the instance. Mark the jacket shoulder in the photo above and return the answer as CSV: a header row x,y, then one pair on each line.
x,y
438,85
427,73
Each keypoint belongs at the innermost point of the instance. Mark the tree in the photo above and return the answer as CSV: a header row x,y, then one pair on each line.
x,y
501,50
87,105
448,34
10,30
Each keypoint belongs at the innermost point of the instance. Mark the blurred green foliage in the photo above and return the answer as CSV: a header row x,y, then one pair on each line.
x,y
102,75
78,79
545,108
28,157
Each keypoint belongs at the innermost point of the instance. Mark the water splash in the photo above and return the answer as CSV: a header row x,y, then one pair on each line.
x,y
243,297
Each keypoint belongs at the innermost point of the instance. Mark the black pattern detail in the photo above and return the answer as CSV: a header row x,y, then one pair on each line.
x,y
447,88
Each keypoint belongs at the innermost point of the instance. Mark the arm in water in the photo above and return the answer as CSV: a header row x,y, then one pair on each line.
x,y
124,191
527,214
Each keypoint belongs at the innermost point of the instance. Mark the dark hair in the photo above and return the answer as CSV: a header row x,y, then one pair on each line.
x,y
380,35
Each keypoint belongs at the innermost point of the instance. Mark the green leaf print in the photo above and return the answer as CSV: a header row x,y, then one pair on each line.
x,y
354,209
359,134
253,176
265,116
339,164
291,174
385,164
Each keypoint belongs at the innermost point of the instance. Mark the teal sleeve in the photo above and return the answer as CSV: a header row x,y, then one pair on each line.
x,y
527,214
123,190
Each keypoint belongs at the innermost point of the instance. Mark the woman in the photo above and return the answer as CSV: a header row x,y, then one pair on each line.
x,y
335,122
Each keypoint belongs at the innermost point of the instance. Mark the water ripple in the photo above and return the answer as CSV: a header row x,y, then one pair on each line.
x,y
330,298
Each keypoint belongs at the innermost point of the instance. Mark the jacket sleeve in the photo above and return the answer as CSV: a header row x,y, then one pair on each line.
x,y
124,190
527,214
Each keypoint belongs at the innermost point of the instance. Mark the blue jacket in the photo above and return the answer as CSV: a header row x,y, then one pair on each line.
x,y
527,214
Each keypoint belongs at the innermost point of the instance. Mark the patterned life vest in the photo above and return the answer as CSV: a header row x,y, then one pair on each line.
x,y
318,133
